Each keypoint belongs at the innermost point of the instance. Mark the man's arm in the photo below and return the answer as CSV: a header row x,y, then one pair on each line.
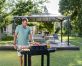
x,y
30,37
15,38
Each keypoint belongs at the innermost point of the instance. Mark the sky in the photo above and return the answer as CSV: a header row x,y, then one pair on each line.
x,y
53,7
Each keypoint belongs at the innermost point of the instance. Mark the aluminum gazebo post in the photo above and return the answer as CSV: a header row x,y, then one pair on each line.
x,y
68,29
61,30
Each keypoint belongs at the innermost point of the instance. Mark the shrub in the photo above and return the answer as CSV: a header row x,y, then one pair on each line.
x,y
7,38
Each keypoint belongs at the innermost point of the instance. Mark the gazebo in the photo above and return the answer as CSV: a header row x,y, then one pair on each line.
x,y
46,18
50,18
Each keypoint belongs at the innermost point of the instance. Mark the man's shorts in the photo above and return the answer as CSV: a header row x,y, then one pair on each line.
x,y
18,52
18,48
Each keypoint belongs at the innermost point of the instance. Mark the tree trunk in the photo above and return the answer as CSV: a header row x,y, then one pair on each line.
x,y
0,34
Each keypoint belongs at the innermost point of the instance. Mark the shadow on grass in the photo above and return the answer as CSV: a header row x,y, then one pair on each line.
x,y
66,58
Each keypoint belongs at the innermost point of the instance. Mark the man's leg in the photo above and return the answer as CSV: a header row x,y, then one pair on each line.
x,y
21,60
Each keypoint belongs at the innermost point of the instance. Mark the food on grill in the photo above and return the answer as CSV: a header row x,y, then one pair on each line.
x,y
35,44
25,49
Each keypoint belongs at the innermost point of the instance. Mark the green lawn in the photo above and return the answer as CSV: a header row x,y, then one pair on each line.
x,y
59,58
6,42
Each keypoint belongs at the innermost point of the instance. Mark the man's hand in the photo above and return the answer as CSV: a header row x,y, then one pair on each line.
x,y
15,47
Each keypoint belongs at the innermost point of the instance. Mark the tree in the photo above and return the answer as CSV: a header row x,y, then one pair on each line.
x,y
49,26
23,8
1,10
28,7
73,8
1,5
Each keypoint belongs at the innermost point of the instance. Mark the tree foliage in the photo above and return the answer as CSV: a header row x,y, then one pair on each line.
x,y
23,8
1,5
73,8
49,26
1,11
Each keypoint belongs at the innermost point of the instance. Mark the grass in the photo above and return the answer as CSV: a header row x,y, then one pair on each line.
x,y
58,58
6,42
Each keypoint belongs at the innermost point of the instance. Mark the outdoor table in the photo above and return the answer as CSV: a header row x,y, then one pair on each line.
x,y
37,52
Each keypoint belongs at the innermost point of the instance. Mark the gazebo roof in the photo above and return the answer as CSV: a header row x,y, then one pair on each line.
x,y
42,17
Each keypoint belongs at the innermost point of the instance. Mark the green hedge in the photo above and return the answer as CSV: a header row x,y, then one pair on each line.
x,y
7,38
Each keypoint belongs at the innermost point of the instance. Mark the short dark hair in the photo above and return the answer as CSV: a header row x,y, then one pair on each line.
x,y
24,19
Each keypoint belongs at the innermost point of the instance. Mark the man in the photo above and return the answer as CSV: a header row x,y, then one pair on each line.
x,y
21,37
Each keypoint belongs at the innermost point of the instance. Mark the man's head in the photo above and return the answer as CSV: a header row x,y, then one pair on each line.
x,y
24,22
